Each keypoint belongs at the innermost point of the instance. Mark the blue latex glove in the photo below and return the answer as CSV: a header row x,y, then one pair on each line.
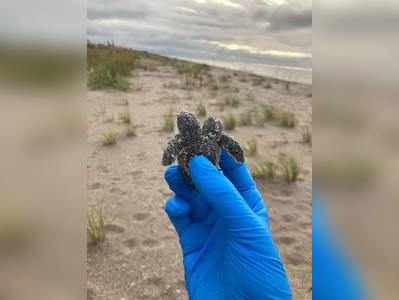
x,y
335,276
228,251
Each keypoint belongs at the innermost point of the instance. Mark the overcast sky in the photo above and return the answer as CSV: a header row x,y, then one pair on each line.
x,y
272,32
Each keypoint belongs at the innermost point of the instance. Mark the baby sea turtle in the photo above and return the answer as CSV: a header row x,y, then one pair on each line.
x,y
193,140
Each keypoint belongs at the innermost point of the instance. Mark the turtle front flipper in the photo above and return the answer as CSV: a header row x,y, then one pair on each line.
x,y
233,147
212,128
171,151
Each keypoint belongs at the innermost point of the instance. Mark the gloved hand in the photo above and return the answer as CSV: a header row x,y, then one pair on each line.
x,y
335,274
228,251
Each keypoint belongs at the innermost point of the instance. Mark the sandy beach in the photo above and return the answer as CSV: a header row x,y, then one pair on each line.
x,y
140,257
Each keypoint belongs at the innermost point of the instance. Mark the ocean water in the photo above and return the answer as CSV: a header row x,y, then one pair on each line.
x,y
300,75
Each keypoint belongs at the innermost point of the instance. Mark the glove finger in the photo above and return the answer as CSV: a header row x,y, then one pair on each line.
x,y
220,193
240,176
194,238
174,178
178,212
198,206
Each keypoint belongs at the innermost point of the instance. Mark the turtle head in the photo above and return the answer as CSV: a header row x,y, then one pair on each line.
x,y
188,124
212,128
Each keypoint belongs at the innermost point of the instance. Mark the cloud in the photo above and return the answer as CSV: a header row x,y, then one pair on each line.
x,y
119,10
228,3
270,52
288,17
186,9
192,29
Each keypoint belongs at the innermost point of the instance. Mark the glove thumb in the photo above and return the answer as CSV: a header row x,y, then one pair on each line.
x,y
178,211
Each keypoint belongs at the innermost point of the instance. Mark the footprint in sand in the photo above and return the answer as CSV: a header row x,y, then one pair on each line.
x,y
136,173
131,243
141,155
151,243
282,199
288,218
141,216
117,190
181,283
157,281
114,228
144,103
103,168
282,228
168,237
95,186
285,240
153,288
305,224
302,206
90,294
287,192
295,259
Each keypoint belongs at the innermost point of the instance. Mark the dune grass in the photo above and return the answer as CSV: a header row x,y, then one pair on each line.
x,y
168,124
264,170
268,86
251,97
306,135
243,79
95,226
213,85
268,113
201,110
285,167
131,131
103,77
123,102
251,148
192,75
231,100
245,118
118,60
124,117
235,90
225,78
108,65
110,138
286,119
230,122
171,85
258,81
290,168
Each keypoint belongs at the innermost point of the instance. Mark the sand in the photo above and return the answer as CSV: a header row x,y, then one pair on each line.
x,y
140,258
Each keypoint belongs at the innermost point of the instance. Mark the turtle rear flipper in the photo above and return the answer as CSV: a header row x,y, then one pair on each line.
x,y
233,147
171,151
